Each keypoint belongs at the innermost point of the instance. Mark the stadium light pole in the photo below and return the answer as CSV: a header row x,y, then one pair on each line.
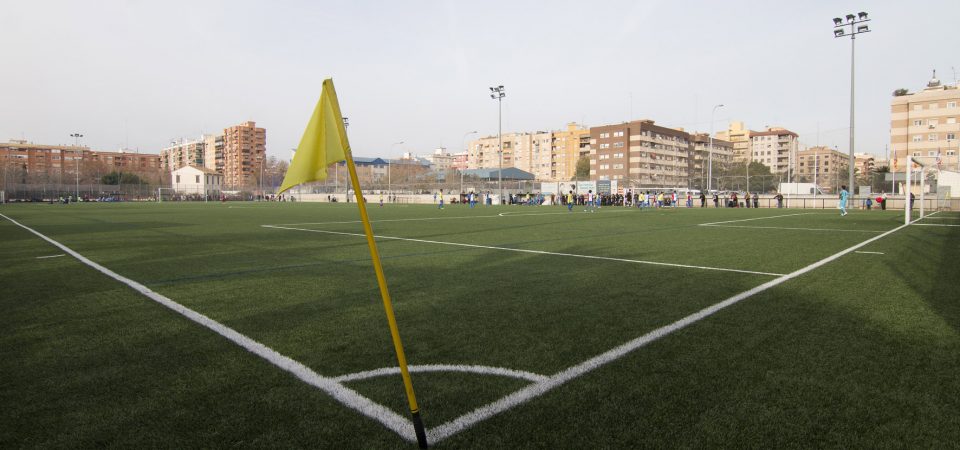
x,y
463,143
710,151
857,26
76,144
498,94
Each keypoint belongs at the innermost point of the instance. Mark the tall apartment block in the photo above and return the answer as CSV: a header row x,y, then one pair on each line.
x,y
775,148
244,149
825,164
641,152
182,153
739,137
925,124
568,145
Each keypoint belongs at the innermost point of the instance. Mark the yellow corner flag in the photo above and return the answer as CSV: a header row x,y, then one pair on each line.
x,y
324,142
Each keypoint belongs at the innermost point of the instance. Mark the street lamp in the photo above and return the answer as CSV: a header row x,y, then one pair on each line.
x,y
463,144
498,93
710,151
854,22
76,143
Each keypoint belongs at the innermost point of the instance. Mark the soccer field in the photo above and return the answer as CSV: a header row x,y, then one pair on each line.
x,y
525,327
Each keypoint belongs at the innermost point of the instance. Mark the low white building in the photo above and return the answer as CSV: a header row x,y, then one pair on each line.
x,y
195,180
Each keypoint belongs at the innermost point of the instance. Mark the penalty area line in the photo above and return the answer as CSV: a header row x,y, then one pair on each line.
x,y
560,378
755,218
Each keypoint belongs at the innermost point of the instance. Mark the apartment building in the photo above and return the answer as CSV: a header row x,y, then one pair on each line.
x,y
567,147
824,165
28,162
244,151
213,152
182,153
705,150
739,138
925,124
640,153
775,148
864,163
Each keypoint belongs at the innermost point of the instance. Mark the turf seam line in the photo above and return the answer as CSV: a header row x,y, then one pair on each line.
x,y
536,252
339,392
532,391
424,368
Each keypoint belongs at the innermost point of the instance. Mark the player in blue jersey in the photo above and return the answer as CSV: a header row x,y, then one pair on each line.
x,y
843,200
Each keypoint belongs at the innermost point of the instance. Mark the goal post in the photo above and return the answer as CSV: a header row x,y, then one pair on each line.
x,y
165,194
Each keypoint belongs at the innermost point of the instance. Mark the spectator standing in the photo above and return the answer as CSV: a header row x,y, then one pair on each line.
x,y
883,200
756,200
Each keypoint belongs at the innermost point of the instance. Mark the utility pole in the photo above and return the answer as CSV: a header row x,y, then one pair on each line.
x,y
498,94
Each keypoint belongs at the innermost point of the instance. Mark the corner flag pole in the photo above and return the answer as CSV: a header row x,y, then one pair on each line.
x,y
387,305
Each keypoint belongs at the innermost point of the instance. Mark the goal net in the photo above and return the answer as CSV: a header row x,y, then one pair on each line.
x,y
166,194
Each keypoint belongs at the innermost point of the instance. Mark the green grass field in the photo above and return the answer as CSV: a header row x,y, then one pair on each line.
x,y
861,351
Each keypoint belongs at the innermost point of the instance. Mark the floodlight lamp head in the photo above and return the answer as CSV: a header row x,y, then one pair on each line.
x,y
501,86
837,21
863,29
491,89
838,33
850,17
862,15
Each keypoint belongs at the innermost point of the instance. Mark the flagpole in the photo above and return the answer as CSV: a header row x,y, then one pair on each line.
x,y
387,305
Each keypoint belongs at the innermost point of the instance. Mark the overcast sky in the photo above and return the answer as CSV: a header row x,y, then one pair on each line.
x,y
137,74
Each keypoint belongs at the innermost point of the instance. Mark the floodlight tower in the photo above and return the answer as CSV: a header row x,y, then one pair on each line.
x,y
857,26
498,93
76,143
710,154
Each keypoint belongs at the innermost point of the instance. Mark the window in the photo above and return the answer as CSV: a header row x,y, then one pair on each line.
x,y
917,138
951,120
951,136
604,145
618,144
951,104
604,135
916,153
951,152
932,137
918,122
198,179
604,166
618,166
931,153
178,178
617,134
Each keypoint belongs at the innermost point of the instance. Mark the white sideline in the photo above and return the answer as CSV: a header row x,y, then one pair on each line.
x,y
756,218
482,370
536,252
341,393
794,228
537,389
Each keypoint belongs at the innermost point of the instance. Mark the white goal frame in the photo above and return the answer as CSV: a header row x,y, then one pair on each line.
x,y
160,191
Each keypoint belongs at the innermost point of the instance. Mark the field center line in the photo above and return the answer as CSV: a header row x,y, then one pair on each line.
x,y
537,389
536,252
339,392
794,228
756,218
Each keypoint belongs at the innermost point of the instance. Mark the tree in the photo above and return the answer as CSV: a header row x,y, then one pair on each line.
x,y
900,92
583,169
115,178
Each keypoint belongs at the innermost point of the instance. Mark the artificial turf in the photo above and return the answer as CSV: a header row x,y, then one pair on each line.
x,y
862,352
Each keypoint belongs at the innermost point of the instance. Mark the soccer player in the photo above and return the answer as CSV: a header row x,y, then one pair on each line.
x,y
589,201
440,196
843,200
570,201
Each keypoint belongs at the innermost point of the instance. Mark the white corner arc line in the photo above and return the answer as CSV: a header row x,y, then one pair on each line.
x,y
756,218
537,389
424,368
536,252
793,228
339,392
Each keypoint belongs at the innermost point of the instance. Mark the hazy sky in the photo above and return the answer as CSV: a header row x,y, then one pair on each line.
x,y
139,73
